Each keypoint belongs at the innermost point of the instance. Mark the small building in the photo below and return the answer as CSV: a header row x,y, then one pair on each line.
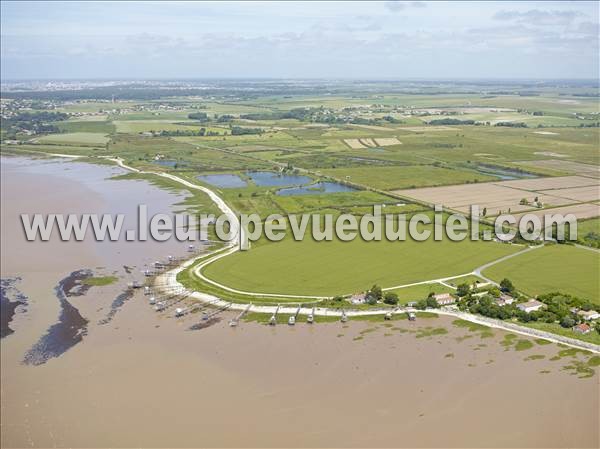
x,y
358,298
530,306
582,328
444,299
588,315
504,300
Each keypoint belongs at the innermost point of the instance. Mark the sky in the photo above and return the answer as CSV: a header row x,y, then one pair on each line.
x,y
286,39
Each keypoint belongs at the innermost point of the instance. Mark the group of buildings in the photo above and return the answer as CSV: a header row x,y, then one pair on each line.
x,y
532,305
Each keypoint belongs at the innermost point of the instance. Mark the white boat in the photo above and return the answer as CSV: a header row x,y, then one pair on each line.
x,y
179,312
388,316
344,317
272,320
292,320
233,323
152,300
310,319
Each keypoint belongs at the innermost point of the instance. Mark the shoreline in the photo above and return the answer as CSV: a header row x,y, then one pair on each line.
x,y
170,278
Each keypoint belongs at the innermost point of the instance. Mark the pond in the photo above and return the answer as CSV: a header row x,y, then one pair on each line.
x,y
317,189
268,178
223,180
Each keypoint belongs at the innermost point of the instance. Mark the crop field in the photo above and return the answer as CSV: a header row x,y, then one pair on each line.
x,y
581,211
331,268
562,268
397,177
87,126
76,138
139,126
575,168
502,197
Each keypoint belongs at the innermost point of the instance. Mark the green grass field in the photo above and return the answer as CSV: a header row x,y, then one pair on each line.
x,y
77,138
390,178
332,268
553,268
417,292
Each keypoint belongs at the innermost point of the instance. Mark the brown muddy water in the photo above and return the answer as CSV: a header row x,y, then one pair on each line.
x,y
118,374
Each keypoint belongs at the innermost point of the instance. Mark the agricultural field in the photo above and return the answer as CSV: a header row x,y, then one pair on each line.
x,y
75,138
344,152
332,268
557,268
517,195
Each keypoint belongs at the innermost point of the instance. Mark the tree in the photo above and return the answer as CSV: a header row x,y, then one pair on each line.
x,y
431,302
422,304
567,322
371,300
463,289
390,298
506,285
376,292
200,116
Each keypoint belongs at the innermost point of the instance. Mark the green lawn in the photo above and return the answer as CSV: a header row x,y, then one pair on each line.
x,y
553,268
417,292
331,268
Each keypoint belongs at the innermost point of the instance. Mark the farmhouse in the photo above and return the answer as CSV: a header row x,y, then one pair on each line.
x,y
444,299
589,315
504,299
582,328
530,306
358,298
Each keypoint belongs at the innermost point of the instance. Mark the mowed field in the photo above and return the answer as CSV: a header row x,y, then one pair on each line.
x,y
333,268
563,268
505,196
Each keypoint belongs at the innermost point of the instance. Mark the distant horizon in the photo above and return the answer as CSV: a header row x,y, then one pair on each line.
x,y
357,40
329,79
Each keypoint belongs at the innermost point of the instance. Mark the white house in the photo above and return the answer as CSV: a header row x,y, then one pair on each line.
x,y
358,298
589,315
530,306
444,299
504,299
